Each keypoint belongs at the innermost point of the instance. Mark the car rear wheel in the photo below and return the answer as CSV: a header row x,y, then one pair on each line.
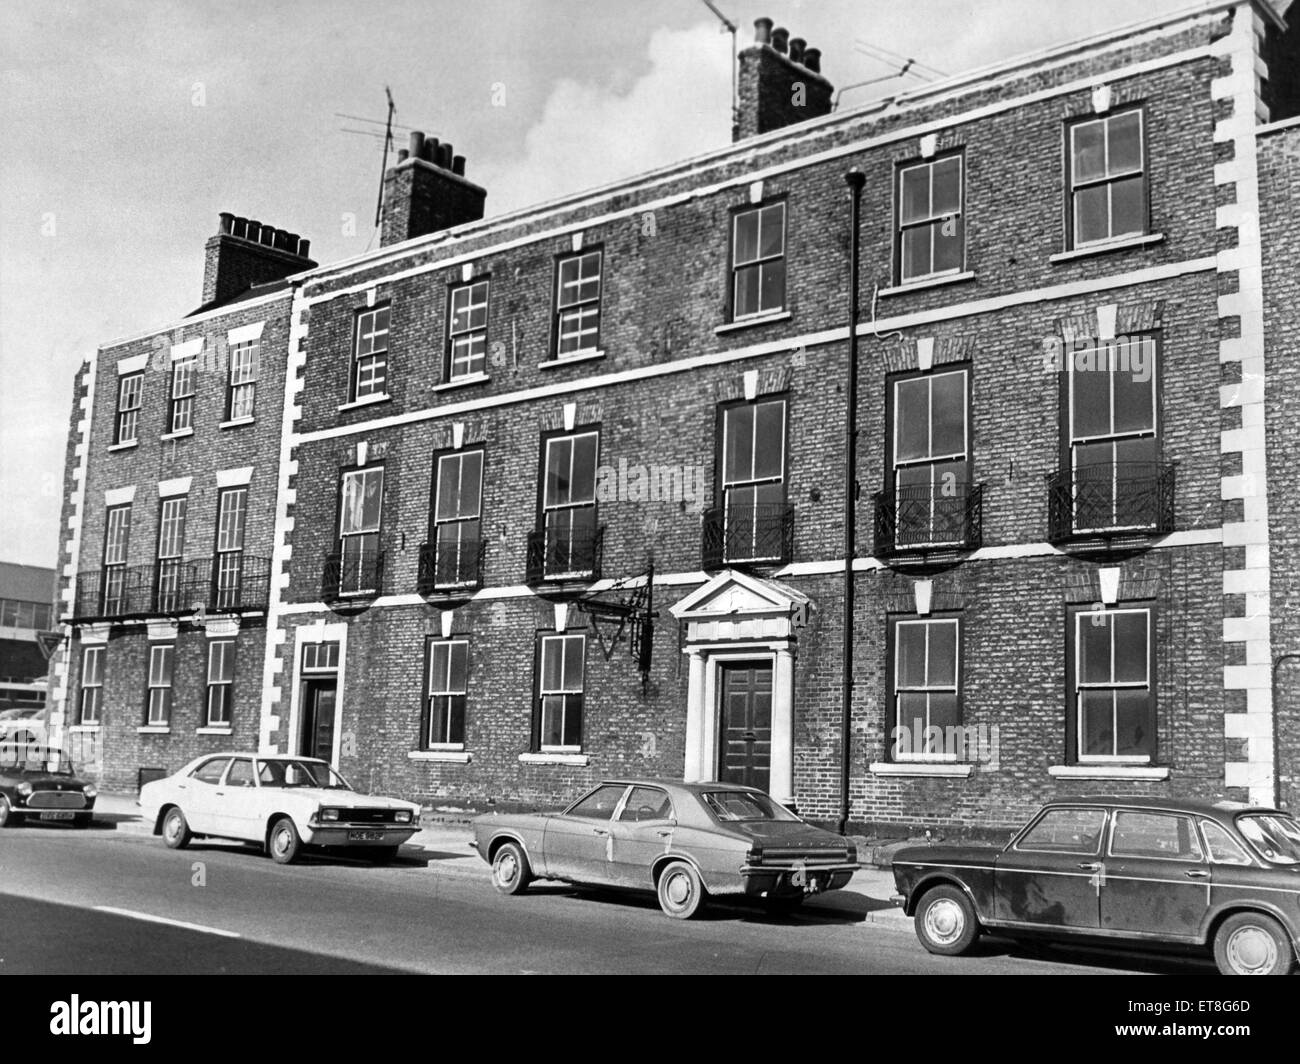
x,y
284,842
510,871
175,829
681,894
8,818
946,922
1252,944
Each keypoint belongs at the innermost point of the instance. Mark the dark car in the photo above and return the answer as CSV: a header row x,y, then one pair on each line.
x,y
684,841
1121,871
39,783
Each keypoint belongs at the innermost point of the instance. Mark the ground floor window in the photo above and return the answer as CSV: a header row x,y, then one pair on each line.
x,y
445,694
159,704
92,684
924,688
560,662
1111,690
221,676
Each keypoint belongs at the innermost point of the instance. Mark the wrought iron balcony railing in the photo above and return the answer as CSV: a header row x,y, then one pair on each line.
x,y
750,535
451,566
348,575
233,582
924,518
564,554
1110,500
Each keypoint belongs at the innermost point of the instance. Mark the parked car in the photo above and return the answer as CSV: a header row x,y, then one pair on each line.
x,y
683,841
40,783
1121,871
283,803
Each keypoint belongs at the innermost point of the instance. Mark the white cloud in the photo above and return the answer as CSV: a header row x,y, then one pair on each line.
x,y
589,135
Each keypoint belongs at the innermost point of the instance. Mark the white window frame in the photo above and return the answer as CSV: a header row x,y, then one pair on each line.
x,y
932,460
232,525
117,541
1080,686
931,220
758,261
180,417
221,652
244,365
754,481
897,688
95,688
158,704
1107,178
448,691
571,504
130,400
462,519
584,313
360,533
467,345
564,692
369,359
172,513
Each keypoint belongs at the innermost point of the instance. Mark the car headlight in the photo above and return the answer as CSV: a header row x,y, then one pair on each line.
x,y
403,816
24,789
329,814
90,790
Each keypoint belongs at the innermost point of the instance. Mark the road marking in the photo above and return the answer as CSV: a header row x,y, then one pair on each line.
x,y
163,920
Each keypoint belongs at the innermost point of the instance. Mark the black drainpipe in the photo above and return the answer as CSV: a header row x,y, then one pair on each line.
x,y
855,180
1278,662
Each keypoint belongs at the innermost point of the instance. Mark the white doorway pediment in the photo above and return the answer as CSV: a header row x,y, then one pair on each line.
x,y
734,605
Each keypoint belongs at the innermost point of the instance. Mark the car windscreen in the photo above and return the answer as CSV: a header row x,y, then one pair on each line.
x,y
731,806
1277,838
299,774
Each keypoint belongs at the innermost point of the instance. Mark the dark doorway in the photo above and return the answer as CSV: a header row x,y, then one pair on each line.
x,y
745,749
316,735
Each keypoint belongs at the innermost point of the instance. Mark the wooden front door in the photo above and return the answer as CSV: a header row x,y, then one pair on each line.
x,y
316,735
745,749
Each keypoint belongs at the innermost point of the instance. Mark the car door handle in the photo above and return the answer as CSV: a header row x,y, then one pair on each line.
x,y
600,831
1196,873
219,794
665,834
1091,867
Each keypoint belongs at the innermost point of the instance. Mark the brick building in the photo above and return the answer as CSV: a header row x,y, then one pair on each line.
x,y
1071,564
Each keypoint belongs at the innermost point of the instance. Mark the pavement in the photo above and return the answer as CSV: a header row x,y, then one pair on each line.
x,y
447,843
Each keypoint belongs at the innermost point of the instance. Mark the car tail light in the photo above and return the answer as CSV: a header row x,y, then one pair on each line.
x,y
852,855
756,855
403,816
329,814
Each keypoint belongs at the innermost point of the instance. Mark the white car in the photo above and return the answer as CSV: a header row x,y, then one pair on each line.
x,y
282,802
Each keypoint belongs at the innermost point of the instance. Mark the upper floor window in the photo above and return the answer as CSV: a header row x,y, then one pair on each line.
x,y
923,679
467,331
232,515
242,391
170,586
1114,443
1107,178
569,503
361,507
370,361
558,724
117,535
444,706
758,261
92,684
1111,685
180,416
130,390
456,533
577,304
929,457
931,234
753,486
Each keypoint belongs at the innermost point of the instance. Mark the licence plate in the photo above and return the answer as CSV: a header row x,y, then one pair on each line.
x,y
62,815
365,836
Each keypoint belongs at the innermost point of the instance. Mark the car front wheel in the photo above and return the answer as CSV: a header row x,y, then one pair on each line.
x,y
510,872
946,922
175,830
1252,944
284,842
680,891
8,818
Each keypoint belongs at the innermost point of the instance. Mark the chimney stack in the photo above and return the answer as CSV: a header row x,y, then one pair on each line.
x,y
426,191
245,253
780,82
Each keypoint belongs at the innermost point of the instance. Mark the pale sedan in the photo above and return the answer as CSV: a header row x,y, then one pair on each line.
x,y
281,803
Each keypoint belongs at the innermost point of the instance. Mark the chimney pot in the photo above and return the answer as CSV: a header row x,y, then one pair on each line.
x,y
430,152
458,165
239,228
781,39
812,59
402,154
268,236
762,30
227,220
417,143
797,45
444,156
304,246
254,231
260,255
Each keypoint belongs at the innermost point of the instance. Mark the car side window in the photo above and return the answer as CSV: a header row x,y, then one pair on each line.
x,y
210,771
600,803
241,773
1222,847
647,803
1159,835
1065,831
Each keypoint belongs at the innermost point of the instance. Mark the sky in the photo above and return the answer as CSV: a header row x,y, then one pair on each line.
x,y
129,125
